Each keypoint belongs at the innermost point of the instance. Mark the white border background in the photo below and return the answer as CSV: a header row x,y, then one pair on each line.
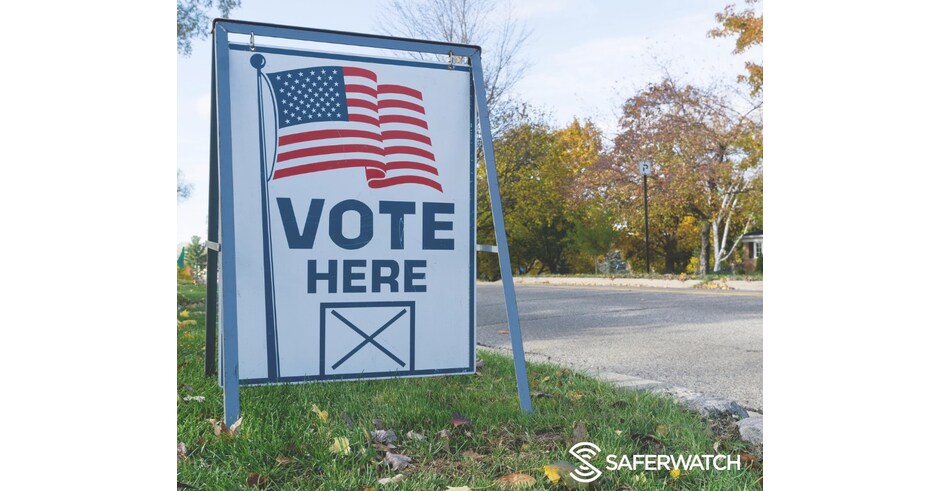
x,y
850,337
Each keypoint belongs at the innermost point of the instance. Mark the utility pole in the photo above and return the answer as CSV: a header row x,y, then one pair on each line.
x,y
645,167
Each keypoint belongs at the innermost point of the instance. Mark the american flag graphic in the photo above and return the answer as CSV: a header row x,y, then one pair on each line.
x,y
335,117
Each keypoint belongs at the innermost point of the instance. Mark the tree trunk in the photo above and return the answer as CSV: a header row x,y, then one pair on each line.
x,y
670,250
703,250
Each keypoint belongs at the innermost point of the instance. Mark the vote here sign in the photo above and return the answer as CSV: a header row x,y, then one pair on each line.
x,y
354,241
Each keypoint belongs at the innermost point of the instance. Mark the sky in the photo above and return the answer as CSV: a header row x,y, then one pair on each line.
x,y
585,59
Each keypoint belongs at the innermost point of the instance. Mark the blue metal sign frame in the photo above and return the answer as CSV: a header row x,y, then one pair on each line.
x,y
221,160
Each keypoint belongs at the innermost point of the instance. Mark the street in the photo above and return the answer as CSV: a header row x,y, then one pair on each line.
x,y
707,341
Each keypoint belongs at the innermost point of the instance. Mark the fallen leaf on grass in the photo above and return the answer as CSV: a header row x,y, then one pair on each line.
x,y
220,428
181,451
515,480
185,323
391,480
378,423
470,454
255,480
538,394
396,461
662,430
384,436
443,434
675,473
480,364
555,472
459,420
461,488
280,459
323,415
580,432
575,396
340,445
184,314
194,398
748,460
414,435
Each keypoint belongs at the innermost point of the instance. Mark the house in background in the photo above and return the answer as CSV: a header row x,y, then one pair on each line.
x,y
753,248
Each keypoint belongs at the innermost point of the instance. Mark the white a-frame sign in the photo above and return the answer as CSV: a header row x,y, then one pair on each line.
x,y
345,184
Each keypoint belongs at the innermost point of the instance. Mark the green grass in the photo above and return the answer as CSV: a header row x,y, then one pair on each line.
x,y
279,423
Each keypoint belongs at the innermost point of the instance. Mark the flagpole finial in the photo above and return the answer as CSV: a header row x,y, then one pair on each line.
x,y
257,61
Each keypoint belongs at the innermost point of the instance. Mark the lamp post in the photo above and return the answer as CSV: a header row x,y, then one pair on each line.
x,y
645,167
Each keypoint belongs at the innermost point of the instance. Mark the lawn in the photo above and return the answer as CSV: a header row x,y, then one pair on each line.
x,y
458,431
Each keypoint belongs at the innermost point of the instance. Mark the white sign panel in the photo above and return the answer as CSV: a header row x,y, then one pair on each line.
x,y
645,167
353,185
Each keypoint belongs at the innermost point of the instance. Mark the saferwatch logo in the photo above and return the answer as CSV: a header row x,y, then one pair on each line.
x,y
584,452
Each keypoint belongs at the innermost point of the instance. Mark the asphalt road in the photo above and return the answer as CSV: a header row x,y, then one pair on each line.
x,y
707,341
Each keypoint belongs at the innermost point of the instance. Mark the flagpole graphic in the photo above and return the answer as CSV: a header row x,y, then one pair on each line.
x,y
270,314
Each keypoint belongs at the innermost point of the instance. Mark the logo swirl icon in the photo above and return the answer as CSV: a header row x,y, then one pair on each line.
x,y
586,472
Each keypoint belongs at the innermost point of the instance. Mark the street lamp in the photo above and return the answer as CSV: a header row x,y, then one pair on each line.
x,y
645,168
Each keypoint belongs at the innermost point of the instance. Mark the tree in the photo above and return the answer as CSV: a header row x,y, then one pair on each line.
x,y
706,155
486,23
196,256
749,29
183,189
192,20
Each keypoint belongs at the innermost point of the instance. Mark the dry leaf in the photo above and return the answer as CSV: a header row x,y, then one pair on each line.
x,y
516,480
538,394
558,471
220,428
443,434
580,432
280,459
181,451
459,420
255,480
184,314
324,415
396,461
194,398
461,488
237,425
662,430
575,396
384,436
340,445
748,459
480,364
414,435
391,480
378,423
675,473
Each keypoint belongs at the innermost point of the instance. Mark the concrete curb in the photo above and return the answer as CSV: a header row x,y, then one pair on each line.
x,y
630,282
750,424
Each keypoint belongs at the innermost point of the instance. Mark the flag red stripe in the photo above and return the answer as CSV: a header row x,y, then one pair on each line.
x,y
399,89
325,134
411,165
361,89
393,181
395,118
409,151
321,166
402,104
328,149
405,135
362,103
362,118
359,72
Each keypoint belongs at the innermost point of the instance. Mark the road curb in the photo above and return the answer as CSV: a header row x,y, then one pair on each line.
x,y
749,424
633,282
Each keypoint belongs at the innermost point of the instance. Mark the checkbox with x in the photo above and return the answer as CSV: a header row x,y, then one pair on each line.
x,y
366,338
